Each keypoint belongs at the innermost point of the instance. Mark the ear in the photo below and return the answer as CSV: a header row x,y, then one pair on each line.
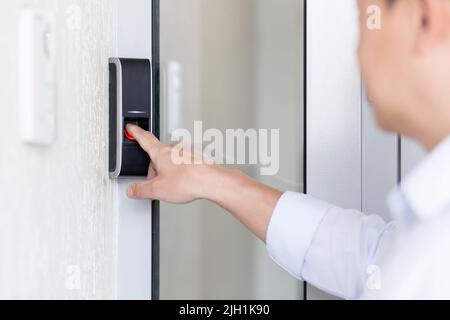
x,y
434,23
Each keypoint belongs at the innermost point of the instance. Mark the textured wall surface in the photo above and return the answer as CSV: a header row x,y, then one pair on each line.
x,y
58,209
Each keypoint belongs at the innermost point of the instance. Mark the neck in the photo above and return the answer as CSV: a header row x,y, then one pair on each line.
x,y
434,133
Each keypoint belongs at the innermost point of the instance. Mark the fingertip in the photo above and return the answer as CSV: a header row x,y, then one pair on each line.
x,y
132,127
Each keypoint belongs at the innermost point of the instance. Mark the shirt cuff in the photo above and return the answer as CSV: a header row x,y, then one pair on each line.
x,y
292,228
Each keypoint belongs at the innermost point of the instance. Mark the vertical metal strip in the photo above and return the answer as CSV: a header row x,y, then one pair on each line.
x,y
305,99
399,159
156,130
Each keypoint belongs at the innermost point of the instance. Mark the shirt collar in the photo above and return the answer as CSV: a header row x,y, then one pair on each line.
x,y
425,193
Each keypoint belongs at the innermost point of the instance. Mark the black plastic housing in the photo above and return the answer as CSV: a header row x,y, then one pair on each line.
x,y
130,101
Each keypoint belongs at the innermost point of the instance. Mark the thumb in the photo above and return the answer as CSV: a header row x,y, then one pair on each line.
x,y
144,190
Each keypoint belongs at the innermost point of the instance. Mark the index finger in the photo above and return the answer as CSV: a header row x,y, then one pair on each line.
x,y
146,140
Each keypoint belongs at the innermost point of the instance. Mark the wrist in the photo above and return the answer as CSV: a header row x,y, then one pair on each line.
x,y
213,181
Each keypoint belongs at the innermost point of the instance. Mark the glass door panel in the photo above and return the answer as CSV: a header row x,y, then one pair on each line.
x,y
230,64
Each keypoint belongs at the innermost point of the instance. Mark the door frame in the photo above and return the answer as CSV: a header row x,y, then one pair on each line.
x,y
157,132
138,221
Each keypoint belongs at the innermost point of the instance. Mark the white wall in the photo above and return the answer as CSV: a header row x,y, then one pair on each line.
x,y
57,206
334,112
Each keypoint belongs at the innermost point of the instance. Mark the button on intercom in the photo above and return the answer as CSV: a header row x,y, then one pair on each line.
x,y
130,102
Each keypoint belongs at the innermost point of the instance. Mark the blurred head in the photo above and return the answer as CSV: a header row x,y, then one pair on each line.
x,y
406,66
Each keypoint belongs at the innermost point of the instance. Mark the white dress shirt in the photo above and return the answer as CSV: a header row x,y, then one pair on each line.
x,y
353,255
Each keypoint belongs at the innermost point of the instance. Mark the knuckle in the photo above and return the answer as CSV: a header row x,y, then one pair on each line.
x,y
145,191
158,189
137,190
156,184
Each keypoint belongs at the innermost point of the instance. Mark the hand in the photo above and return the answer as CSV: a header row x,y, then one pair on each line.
x,y
249,201
166,181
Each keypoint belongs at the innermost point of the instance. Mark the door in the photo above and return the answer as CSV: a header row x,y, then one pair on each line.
x,y
229,64
138,224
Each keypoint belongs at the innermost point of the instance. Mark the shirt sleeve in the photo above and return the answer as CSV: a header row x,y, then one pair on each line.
x,y
327,246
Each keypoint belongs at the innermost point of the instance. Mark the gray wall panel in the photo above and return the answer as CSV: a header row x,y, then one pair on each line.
x,y
333,106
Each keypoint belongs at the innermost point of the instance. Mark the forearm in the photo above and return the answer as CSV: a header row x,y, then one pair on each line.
x,y
250,202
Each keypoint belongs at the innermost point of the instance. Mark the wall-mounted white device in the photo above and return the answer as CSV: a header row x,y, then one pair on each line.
x,y
174,96
36,77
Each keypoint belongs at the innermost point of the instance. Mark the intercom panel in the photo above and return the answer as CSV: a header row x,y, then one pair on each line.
x,y
130,101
